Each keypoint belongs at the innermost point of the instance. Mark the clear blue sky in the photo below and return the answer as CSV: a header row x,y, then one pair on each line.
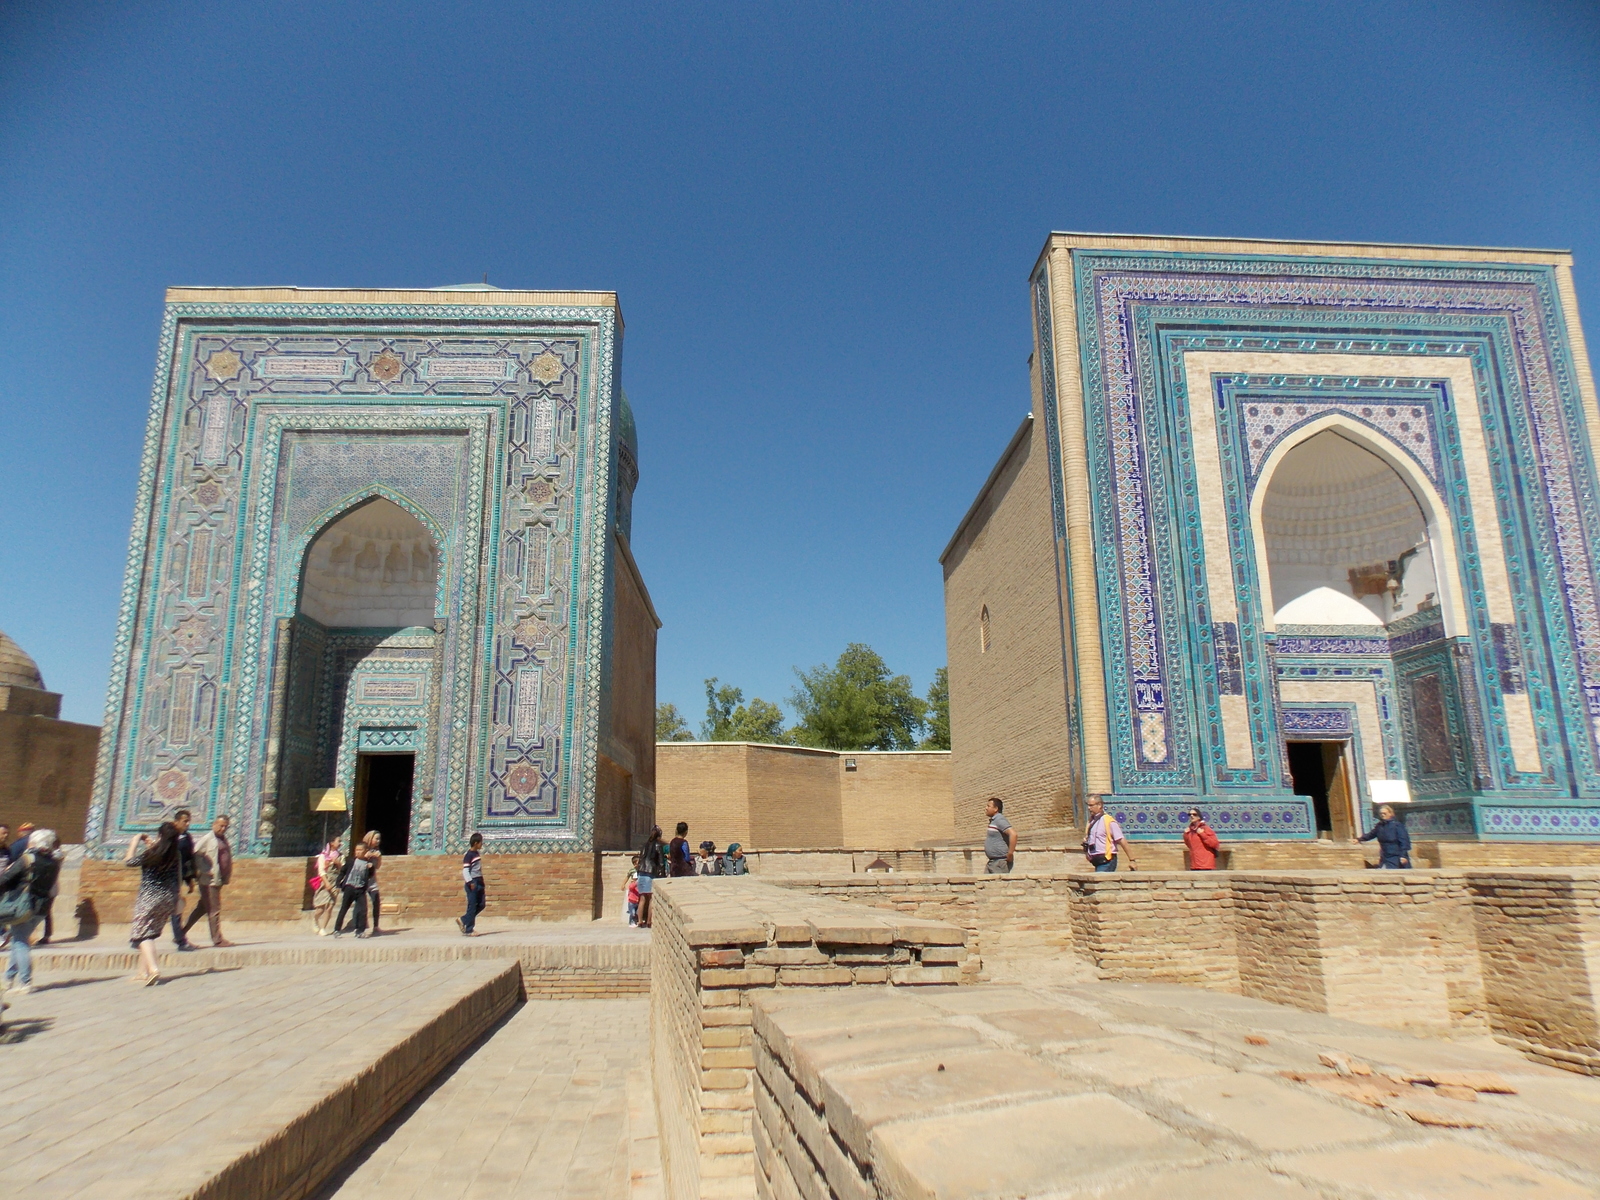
x,y
820,220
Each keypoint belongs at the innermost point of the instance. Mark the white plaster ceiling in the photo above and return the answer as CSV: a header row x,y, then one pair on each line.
x,y
375,567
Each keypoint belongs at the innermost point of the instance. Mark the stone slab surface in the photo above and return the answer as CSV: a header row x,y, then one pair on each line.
x,y
556,1103
1183,1092
115,1090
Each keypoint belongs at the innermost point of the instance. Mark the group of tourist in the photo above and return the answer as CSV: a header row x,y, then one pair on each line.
x,y
30,866
351,880
674,859
1104,842
168,863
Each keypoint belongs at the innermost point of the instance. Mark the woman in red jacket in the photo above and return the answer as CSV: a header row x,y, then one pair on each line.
x,y
1202,842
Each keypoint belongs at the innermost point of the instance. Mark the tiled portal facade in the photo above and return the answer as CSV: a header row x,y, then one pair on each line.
x,y
1173,378
469,454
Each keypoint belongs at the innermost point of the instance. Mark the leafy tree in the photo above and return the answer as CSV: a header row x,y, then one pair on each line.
x,y
938,711
670,725
729,719
856,704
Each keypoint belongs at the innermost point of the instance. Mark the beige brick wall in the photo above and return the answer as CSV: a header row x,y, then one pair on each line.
x,y
46,772
625,782
792,797
1008,721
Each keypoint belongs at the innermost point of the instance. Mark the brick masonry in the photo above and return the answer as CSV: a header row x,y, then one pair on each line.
x,y
549,887
716,943
793,796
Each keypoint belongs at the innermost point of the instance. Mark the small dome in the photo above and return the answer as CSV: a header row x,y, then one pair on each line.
x,y
16,668
1324,606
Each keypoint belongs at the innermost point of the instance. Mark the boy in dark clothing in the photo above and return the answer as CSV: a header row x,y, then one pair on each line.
x,y
472,880
354,886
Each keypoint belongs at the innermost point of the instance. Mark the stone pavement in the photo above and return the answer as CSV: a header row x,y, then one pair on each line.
x,y
556,1103
1144,1092
249,1082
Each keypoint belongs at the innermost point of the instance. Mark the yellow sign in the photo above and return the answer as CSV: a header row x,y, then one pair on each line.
x,y
327,800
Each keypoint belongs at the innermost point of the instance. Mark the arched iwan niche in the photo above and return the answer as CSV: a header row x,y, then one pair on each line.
x,y
375,567
1346,540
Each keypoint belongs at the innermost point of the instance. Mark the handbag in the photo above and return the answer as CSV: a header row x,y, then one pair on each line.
x,y
17,904
1097,860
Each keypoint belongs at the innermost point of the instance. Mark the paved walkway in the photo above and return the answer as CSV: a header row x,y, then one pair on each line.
x,y
555,1104
115,1090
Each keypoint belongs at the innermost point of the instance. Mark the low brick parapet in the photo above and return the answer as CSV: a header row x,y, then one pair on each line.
x,y
716,943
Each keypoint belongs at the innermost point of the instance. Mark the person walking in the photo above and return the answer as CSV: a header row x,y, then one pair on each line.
x,y
652,866
160,864
472,881
374,844
1000,842
679,861
181,820
16,847
324,885
213,868
734,862
28,883
1202,842
1105,839
353,889
1394,841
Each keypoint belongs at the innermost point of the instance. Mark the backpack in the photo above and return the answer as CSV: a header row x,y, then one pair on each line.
x,y
16,905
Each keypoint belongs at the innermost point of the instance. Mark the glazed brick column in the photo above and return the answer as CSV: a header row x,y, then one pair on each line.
x,y
1539,943
717,941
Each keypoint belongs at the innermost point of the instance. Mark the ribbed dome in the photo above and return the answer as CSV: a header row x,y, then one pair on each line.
x,y
16,668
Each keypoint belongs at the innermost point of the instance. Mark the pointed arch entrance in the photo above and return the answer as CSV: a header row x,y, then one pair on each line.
x,y
358,705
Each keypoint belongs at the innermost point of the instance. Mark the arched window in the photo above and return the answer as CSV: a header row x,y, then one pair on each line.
x,y
983,630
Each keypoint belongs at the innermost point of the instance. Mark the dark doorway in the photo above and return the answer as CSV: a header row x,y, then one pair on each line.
x,y
383,799
1306,769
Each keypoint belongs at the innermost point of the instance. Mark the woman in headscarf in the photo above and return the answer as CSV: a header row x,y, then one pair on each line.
x,y
161,876
33,871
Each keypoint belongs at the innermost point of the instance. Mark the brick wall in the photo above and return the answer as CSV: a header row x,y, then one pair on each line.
x,y
1008,719
1538,937
790,796
625,792
549,887
717,941
46,772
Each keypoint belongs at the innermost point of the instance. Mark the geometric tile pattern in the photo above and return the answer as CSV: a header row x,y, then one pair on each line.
x,y
490,424
1168,662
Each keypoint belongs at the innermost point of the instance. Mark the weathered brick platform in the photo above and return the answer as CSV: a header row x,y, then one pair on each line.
x,y
717,943
558,961
1144,1093
249,1084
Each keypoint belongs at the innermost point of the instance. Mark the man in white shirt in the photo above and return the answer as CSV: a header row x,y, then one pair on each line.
x,y
213,868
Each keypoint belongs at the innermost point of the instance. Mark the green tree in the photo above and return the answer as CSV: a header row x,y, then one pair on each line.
x,y
670,725
856,704
938,711
729,719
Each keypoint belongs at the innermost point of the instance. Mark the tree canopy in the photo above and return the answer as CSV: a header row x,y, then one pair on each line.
x,y
670,725
938,711
729,719
856,704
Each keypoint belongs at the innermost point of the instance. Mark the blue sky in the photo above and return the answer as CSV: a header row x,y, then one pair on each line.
x,y
820,220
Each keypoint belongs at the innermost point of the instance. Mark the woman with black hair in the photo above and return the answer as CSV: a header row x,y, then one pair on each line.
x,y
160,863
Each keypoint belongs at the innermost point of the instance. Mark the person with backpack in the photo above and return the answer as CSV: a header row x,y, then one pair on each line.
x,y
357,874
1104,839
652,866
25,891
680,861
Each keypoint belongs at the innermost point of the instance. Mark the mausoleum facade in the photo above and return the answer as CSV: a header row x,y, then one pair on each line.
x,y
1313,527
381,546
